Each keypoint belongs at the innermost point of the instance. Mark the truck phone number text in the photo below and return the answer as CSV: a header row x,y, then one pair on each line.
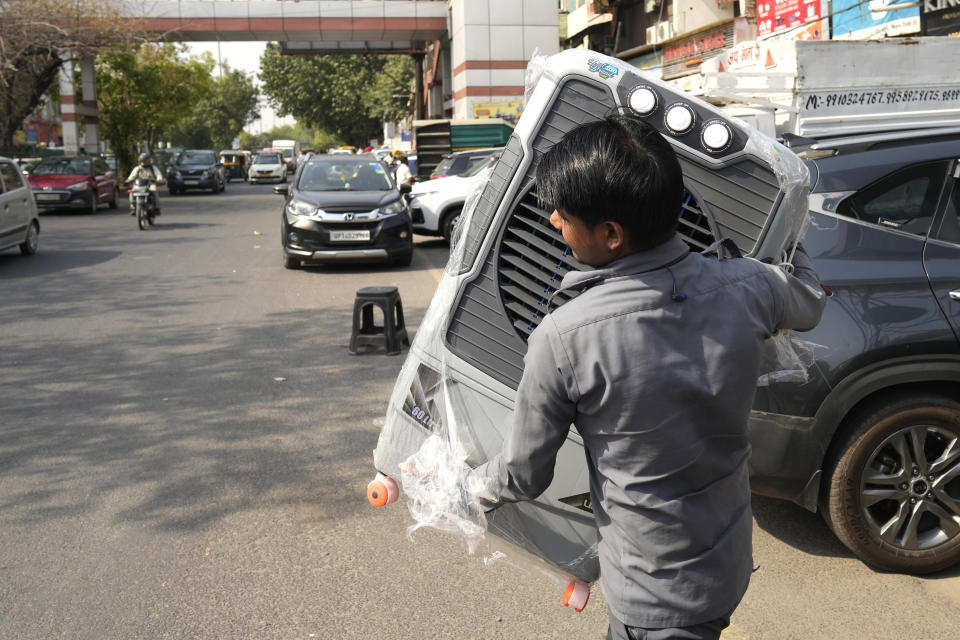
x,y
897,96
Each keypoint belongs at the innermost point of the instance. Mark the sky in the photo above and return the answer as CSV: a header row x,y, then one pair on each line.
x,y
244,56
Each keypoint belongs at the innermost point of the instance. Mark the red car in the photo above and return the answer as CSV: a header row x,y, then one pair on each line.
x,y
74,182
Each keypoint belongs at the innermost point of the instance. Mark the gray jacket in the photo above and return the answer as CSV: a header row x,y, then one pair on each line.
x,y
655,363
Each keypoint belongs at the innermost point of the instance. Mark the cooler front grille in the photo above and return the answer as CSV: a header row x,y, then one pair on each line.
x,y
533,260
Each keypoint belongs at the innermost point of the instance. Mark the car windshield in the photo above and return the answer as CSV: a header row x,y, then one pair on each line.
x,y
63,166
480,166
267,158
196,157
444,166
344,175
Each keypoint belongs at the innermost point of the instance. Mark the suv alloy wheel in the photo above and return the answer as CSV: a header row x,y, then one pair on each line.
x,y
893,490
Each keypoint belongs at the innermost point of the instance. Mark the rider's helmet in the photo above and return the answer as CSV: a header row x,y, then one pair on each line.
x,y
144,160
398,155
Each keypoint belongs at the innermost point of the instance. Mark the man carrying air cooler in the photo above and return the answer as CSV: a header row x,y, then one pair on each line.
x,y
655,363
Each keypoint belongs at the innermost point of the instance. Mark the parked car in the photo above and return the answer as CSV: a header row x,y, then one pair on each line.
x,y
74,182
871,439
19,225
196,169
268,166
436,205
341,208
459,162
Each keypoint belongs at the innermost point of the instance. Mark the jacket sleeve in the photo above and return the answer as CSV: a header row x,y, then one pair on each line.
x,y
800,297
542,417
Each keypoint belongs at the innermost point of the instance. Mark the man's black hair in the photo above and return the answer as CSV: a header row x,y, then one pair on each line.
x,y
619,169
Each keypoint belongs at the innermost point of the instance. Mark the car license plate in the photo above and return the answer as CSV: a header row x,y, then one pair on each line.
x,y
265,174
348,236
191,179
48,196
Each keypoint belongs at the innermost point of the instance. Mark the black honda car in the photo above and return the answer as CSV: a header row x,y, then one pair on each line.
x,y
344,208
196,169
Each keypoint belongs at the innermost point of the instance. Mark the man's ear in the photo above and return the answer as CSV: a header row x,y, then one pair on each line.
x,y
616,236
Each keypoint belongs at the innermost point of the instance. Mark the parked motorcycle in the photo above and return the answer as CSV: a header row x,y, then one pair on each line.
x,y
143,197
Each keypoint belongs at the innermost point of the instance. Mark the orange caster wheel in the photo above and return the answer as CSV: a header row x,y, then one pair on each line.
x,y
577,595
382,490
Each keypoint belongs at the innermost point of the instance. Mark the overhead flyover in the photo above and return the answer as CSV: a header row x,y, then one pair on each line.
x,y
300,26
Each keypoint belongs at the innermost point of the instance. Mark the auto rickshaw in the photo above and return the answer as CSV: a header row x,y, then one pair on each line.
x,y
235,164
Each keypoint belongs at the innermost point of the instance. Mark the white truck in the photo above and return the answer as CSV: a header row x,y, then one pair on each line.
x,y
290,150
822,88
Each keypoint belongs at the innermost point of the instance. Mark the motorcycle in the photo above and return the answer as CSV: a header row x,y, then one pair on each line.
x,y
143,198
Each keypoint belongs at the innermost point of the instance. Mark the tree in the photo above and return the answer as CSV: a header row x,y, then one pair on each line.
x,y
390,98
348,96
219,118
35,36
144,94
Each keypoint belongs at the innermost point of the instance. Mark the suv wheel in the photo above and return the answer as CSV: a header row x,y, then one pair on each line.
x,y
894,488
289,262
450,223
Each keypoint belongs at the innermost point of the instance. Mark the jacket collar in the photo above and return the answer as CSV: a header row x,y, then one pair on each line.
x,y
660,256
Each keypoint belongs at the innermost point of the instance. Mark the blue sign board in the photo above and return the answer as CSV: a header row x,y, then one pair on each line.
x,y
858,19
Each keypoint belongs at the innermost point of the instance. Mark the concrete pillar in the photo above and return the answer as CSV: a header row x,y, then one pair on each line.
x,y
491,43
418,96
68,106
91,120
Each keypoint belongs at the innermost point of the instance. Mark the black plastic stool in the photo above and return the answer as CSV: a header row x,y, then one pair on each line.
x,y
393,333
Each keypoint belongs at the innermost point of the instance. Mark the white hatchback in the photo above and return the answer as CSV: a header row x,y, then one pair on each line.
x,y
19,223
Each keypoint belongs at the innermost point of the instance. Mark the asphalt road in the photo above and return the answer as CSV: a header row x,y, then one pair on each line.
x,y
185,444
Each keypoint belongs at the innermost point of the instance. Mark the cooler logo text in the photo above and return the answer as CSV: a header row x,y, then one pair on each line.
x,y
605,69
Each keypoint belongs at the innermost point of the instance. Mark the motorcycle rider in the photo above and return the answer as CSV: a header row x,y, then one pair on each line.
x,y
146,171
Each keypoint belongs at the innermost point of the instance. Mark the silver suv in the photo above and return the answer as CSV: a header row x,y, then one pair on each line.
x,y
19,225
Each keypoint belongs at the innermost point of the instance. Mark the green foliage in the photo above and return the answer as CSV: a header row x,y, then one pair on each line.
x,y
347,96
323,140
217,119
144,94
34,35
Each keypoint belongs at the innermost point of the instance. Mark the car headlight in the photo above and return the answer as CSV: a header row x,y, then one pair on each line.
x,y
392,209
424,194
206,174
297,209
79,186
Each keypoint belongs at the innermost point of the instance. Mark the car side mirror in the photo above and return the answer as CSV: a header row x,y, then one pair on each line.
x,y
282,189
405,188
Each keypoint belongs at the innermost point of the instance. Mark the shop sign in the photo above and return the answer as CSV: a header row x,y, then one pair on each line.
x,y
776,16
941,18
684,57
509,111
859,20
